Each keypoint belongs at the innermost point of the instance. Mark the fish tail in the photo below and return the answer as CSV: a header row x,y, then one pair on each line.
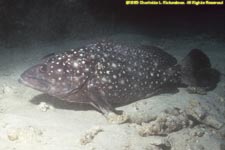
x,y
196,71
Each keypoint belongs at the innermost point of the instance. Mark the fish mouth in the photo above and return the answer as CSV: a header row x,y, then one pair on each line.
x,y
35,83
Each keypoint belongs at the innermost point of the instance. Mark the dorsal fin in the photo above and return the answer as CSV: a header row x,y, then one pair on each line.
x,y
163,59
47,56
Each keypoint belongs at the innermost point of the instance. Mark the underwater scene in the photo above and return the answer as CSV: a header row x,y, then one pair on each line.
x,y
112,75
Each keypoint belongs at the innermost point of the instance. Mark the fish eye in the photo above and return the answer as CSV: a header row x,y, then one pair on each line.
x,y
43,68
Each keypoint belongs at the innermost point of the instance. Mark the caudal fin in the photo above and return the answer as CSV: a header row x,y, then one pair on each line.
x,y
196,71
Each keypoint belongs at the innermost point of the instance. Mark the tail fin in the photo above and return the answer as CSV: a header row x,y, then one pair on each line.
x,y
196,71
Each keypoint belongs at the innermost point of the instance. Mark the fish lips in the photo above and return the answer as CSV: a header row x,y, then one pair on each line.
x,y
35,83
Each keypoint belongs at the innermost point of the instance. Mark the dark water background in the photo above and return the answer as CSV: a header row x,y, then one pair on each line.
x,y
25,22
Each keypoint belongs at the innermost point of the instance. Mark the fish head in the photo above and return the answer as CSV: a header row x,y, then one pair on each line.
x,y
35,77
54,81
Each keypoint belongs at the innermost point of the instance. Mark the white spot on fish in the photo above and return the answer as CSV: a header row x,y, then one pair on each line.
x,y
122,81
151,74
59,70
86,69
105,55
104,79
92,56
75,64
114,65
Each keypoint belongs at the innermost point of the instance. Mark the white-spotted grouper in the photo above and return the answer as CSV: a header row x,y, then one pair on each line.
x,y
105,74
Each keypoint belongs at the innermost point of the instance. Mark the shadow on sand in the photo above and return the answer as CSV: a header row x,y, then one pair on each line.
x,y
60,104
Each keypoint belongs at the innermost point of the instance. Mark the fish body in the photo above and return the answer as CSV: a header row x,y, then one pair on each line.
x,y
107,73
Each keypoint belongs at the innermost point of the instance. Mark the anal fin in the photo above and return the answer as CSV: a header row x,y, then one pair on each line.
x,y
99,101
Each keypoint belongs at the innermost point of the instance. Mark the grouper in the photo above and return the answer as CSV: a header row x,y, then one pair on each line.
x,y
106,74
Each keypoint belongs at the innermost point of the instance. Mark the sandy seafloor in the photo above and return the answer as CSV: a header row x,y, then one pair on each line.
x,y
30,120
